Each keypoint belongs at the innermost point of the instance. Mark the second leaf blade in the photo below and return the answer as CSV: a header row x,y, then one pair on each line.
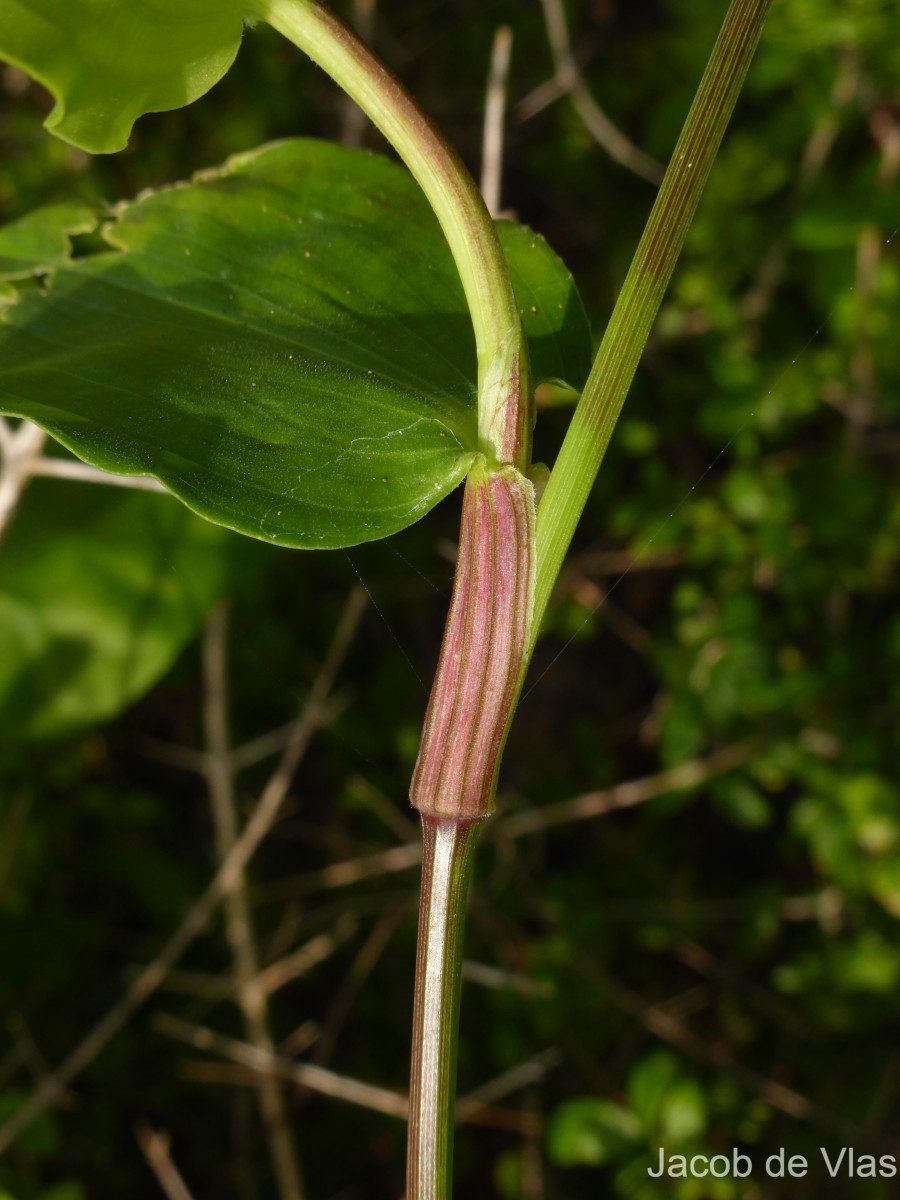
x,y
283,342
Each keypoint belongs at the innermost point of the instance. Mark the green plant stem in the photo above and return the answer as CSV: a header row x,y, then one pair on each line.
x,y
448,853
504,424
626,335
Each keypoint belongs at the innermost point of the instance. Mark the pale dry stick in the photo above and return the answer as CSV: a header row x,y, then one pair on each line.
x,y
822,137
186,758
155,1147
302,960
355,1091
353,119
342,874
362,967
198,916
499,980
7,437
778,1095
768,1003
18,449
21,460
200,985
569,81
532,1156
66,468
494,115
300,1040
383,807
266,744
862,411
317,1079
690,774
617,562
29,1054
285,933
521,1076
595,599
251,994
217,1074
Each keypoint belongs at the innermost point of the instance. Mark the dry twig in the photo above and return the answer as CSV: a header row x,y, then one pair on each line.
x,y
19,449
197,917
249,986
494,113
155,1148
689,774
476,1108
317,1079
568,81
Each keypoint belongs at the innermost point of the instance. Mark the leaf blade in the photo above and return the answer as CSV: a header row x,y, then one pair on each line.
x,y
262,342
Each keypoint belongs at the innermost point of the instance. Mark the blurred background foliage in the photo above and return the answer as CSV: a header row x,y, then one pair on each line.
x,y
716,966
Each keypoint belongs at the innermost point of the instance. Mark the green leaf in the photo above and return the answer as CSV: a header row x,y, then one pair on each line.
x,y
684,1112
99,591
556,325
590,1132
284,343
40,240
649,1083
108,62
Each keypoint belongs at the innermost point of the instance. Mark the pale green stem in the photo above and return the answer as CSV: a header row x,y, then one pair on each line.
x,y
448,853
503,383
623,344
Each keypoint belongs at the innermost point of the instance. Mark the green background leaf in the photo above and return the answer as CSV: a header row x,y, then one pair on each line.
x,y
100,590
107,63
589,1131
40,240
284,343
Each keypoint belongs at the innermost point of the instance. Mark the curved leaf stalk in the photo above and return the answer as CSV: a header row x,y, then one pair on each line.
x,y
651,269
448,853
504,390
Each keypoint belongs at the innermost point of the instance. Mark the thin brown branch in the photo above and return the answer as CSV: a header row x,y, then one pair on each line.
x,y
781,1097
494,116
505,981
518,1077
155,1147
342,874
198,916
267,744
383,807
355,1091
595,599
317,1079
186,758
691,774
251,994
307,956
570,81
813,159
361,968
28,1054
